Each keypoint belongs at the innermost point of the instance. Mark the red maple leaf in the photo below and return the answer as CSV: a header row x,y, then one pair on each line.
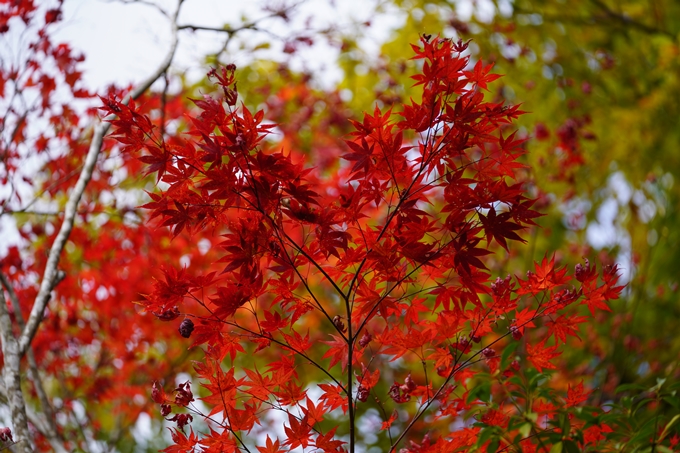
x,y
333,397
545,278
524,319
271,447
327,443
500,227
388,423
298,432
182,443
565,325
337,352
313,413
576,395
540,356
480,75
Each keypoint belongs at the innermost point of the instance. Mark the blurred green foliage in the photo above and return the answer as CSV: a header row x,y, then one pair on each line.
x,y
601,82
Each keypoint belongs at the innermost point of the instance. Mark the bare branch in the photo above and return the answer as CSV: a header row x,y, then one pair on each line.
x,y
143,2
50,275
628,21
249,26
227,30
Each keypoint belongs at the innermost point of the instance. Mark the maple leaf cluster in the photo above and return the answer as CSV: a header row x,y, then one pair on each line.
x,y
364,283
91,346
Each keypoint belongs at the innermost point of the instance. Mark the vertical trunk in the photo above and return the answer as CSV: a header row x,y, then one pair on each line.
x,y
11,374
15,397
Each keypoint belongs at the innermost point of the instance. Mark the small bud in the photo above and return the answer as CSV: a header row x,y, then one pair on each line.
x,y
182,420
515,332
52,15
6,435
582,272
168,315
165,410
337,322
409,383
157,394
186,328
362,394
365,339
184,395
488,352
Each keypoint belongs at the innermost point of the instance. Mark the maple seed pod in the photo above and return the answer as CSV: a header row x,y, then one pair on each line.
x,y
182,420
157,393
168,315
365,339
581,272
337,321
186,328
515,332
184,395
409,383
362,394
6,434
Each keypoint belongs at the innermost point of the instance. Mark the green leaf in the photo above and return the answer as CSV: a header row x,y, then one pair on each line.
x,y
507,353
525,430
664,449
672,401
659,383
262,45
557,448
533,416
627,387
668,426
485,434
493,446
481,392
571,447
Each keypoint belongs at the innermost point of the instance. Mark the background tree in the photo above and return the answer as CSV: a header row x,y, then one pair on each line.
x,y
93,341
83,254
600,82
383,258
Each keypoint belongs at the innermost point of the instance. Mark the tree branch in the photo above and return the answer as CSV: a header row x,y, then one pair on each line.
x,y
50,275
13,349
627,20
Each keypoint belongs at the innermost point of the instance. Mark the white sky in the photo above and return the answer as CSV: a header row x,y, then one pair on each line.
x,y
125,42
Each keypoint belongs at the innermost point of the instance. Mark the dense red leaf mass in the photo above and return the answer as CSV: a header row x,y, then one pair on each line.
x,y
362,283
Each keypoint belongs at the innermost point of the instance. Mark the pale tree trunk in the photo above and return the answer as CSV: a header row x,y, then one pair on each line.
x,y
11,373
